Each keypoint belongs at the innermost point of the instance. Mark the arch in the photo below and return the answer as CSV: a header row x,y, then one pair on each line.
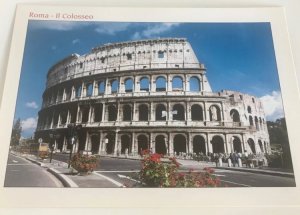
x,y
110,143
256,123
160,145
114,86
195,84
250,120
63,116
98,109
160,112
78,91
125,144
178,112
85,113
265,146
177,83
101,87
251,145
160,84
249,109
127,113
235,116
260,146
237,144
197,113
128,85
179,144
199,144
95,143
214,113
112,113
144,84
142,143
89,89
218,144
143,112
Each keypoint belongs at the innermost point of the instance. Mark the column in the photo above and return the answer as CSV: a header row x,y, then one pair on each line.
x,y
52,120
82,89
72,92
169,116
222,112
65,144
90,114
59,121
202,83
209,146
151,142
100,150
134,112
68,117
118,112
152,84
78,114
152,112
187,84
190,143
205,112
95,88
133,147
171,146
227,144
87,146
116,148
103,112
188,111
107,87
64,97
244,147
169,84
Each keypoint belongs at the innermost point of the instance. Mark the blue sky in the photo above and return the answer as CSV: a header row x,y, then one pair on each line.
x,y
238,56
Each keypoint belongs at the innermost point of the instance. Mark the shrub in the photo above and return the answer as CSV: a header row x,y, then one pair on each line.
x,y
155,173
84,163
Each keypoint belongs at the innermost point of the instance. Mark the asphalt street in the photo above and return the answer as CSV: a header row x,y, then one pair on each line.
x,y
23,173
125,171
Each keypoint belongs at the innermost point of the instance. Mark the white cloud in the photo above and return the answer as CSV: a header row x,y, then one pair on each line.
x,y
111,28
29,123
75,41
154,30
157,29
58,25
273,105
32,105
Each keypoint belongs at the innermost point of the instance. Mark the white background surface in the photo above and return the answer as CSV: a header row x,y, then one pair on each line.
x,y
7,11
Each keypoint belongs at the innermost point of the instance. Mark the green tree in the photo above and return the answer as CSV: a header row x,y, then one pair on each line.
x,y
16,133
279,140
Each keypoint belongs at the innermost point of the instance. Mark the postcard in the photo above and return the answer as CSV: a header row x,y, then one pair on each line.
x,y
110,106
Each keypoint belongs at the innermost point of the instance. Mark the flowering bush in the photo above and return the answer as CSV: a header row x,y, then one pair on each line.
x,y
84,163
155,173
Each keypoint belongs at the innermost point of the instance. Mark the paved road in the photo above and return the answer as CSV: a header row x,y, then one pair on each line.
x,y
23,173
125,170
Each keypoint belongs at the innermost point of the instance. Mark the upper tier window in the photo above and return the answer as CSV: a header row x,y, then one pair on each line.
x,y
129,56
160,54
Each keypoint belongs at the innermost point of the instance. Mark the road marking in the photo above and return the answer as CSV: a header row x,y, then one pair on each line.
x,y
19,164
109,179
127,177
219,175
118,171
244,185
14,161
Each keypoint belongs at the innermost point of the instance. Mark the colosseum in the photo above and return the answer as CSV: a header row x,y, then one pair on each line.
x,y
147,94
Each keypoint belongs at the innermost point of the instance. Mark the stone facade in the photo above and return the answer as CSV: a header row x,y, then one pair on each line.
x,y
148,94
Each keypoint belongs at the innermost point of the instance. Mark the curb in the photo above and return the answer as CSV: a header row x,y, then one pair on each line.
x,y
36,162
283,174
67,182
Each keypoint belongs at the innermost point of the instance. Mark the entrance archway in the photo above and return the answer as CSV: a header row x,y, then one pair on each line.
x,y
199,145
125,144
237,145
110,145
142,143
218,144
160,145
179,144
251,145
95,143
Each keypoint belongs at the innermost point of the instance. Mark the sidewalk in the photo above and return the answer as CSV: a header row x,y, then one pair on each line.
x,y
69,177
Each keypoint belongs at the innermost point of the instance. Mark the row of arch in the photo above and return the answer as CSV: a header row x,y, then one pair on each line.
x,y
103,86
179,145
